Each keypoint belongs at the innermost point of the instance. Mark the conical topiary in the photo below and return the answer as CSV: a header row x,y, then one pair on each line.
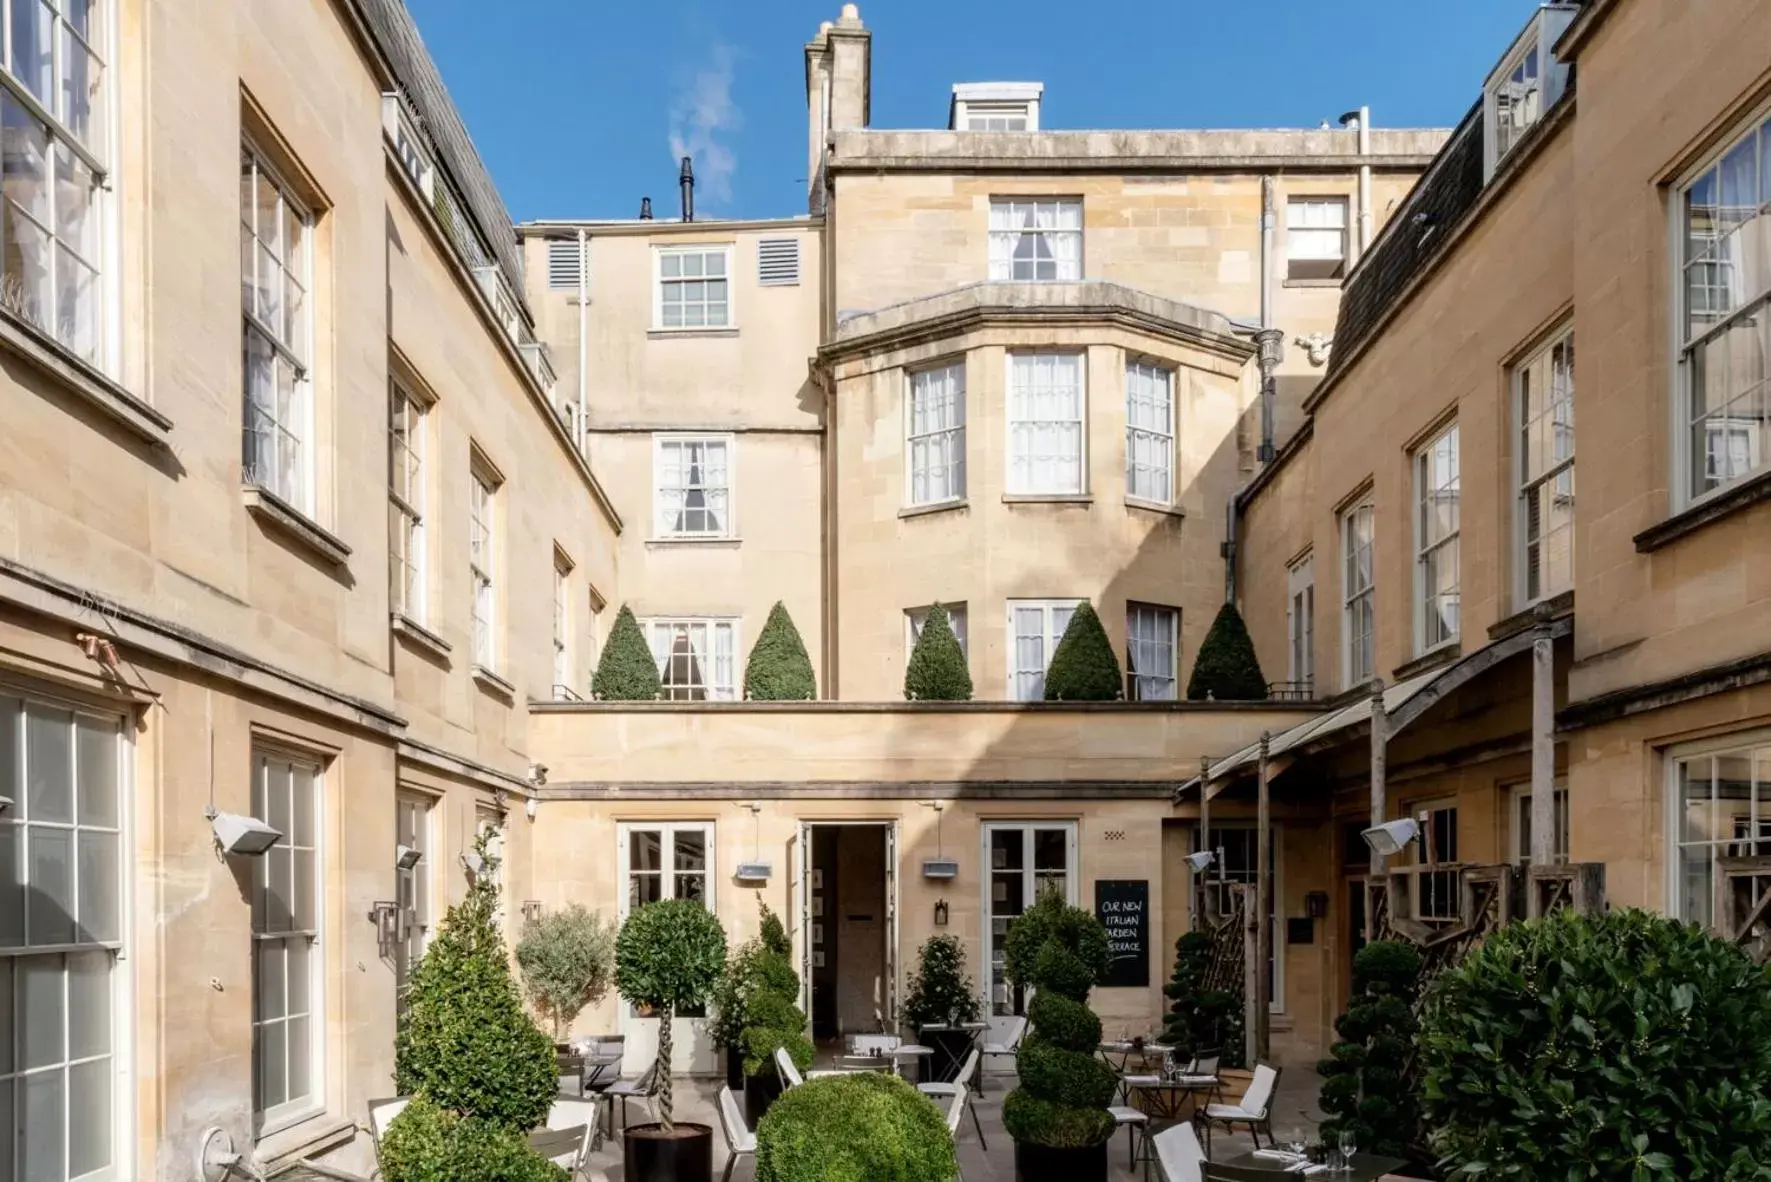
x,y
1226,668
628,672
1060,951
1083,667
937,670
1201,1018
779,669
465,1043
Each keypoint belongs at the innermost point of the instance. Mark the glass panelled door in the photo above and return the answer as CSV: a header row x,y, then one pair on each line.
x,y
666,861
1025,858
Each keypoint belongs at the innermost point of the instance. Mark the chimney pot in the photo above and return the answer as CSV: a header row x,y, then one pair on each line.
x,y
851,13
645,209
686,179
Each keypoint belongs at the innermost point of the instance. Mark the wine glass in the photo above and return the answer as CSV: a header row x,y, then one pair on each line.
x,y
1348,1143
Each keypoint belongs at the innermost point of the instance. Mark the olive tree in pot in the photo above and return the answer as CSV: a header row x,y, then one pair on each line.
x,y
568,960
941,994
1058,1116
670,954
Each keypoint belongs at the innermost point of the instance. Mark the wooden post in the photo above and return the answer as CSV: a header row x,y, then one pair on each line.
x,y
1380,727
1543,763
1263,866
1202,891
1251,972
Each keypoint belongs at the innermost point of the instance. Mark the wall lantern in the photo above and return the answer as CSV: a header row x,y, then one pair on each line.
x,y
940,913
386,918
531,910
1316,904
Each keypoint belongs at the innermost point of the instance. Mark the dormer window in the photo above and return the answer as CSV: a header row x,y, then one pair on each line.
x,y
995,106
1526,84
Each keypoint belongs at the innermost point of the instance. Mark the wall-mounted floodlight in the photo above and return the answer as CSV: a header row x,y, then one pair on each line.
x,y
1201,860
405,857
247,837
1392,837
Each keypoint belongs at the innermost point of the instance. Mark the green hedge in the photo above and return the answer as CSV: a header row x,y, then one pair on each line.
x,y
1630,1046
937,671
627,671
1083,667
1226,669
426,1143
779,669
861,1127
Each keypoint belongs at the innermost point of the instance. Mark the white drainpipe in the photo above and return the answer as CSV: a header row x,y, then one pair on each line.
x,y
1364,180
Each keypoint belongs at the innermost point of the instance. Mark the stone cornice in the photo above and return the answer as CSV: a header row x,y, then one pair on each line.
x,y
1089,304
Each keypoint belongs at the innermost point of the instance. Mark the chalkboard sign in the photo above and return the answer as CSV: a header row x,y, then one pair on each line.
x,y
1123,907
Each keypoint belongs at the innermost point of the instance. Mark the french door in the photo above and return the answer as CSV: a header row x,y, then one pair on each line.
x,y
1025,859
672,860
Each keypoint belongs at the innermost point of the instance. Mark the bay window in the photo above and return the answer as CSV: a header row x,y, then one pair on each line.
x,y
1046,405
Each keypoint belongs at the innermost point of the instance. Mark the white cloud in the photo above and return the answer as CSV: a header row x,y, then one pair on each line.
x,y
702,118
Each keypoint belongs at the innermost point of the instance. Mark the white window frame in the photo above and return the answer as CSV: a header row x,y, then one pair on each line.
x,y
1431,630
668,831
1754,744
661,531
290,344
1446,876
1689,344
1007,228
1217,874
294,1110
1358,666
1149,431
1029,889
659,253
562,626
1537,41
483,566
120,1012
1534,477
1167,619
408,555
1519,819
1024,482
1051,636
714,692
1310,219
916,617
1300,624
414,887
986,115
941,434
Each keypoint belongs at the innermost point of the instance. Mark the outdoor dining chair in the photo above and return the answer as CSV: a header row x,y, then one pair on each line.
x,y
641,1089
959,1084
740,1141
575,1113
1136,1123
1255,1109
1002,1039
790,1076
956,1113
1178,1154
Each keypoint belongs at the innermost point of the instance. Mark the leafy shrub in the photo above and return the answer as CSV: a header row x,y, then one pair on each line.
x,y
1226,668
941,991
937,671
779,669
774,1020
1364,1081
1060,951
1628,1046
568,962
627,671
1083,667
861,1127
731,997
670,954
466,1044
426,1143
1201,1019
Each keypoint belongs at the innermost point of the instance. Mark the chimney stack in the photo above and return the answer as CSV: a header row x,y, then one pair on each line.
x,y
838,89
687,181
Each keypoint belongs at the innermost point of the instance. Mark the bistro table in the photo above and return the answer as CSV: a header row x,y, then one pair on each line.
x,y
949,1053
1125,1050
1168,1100
1250,1167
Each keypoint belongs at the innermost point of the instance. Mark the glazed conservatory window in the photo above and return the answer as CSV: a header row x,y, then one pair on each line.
x,y
1724,327
1035,240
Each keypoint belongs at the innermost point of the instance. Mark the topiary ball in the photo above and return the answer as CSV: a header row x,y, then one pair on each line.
x,y
861,1127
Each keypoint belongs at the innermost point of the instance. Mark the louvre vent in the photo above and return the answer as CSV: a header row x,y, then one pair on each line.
x,y
563,264
777,262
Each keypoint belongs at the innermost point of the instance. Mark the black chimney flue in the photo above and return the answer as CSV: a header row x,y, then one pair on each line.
x,y
645,209
687,180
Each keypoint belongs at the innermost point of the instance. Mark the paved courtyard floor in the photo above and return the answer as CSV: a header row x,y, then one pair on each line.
x,y
1294,1117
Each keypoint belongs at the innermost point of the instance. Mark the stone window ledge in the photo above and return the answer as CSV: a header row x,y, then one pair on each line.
x,y
718,543
494,684
293,524
1154,507
672,334
1048,498
80,378
933,507
309,1136
1752,491
405,626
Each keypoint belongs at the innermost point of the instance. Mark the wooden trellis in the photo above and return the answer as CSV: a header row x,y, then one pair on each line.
x,y
1743,904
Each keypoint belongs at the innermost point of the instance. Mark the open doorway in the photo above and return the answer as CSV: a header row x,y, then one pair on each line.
x,y
849,929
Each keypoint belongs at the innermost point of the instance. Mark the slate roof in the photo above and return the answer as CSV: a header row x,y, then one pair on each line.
x,y
396,34
1415,234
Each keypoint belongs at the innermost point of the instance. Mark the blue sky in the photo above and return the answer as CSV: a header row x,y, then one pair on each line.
x,y
580,106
